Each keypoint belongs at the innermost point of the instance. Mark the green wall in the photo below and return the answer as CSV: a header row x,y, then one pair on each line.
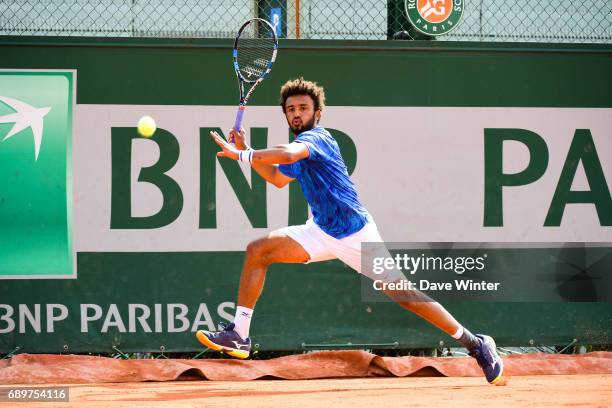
x,y
318,303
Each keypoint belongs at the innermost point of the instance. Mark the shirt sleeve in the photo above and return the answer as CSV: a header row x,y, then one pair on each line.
x,y
317,146
288,170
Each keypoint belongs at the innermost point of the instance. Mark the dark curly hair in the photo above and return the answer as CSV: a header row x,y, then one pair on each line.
x,y
300,86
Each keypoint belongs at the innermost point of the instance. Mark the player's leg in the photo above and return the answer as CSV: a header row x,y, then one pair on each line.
x,y
412,300
294,244
276,247
481,347
350,252
426,308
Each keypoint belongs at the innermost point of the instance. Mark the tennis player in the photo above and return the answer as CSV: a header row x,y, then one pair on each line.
x,y
338,226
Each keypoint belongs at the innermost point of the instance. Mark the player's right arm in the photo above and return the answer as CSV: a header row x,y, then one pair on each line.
x,y
268,172
272,174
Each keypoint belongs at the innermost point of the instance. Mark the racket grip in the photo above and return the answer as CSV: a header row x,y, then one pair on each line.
x,y
239,115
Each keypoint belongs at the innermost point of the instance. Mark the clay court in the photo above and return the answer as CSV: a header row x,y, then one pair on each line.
x,y
535,380
521,391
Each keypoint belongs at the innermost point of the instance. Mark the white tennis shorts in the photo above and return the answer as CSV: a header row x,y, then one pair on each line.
x,y
322,247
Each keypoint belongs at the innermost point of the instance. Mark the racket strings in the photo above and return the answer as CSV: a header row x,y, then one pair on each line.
x,y
255,50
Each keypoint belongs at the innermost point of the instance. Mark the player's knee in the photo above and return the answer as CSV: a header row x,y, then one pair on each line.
x,y
253,249
259,251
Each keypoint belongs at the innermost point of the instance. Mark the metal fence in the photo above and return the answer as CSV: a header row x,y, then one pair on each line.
x,y
568,21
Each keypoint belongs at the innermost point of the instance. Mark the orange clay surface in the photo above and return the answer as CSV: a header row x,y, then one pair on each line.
x,y
585,390
325,379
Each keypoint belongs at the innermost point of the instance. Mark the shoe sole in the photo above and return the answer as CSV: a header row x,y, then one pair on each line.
x,y
205,341
501,380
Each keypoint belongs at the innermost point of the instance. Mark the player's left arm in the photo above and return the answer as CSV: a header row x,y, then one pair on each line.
x,y
280,154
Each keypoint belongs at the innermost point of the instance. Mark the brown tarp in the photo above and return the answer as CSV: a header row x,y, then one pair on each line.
x,y
51,368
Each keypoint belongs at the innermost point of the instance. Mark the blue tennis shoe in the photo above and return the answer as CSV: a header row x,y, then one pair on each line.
x,y
491,363
226,340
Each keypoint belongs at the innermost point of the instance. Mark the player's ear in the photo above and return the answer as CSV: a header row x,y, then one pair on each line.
x,y
318,115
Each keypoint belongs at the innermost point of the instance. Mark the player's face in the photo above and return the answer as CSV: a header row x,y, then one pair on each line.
x,y
300,113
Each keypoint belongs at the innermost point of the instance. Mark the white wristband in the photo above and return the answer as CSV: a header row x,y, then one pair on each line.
x,y
246,156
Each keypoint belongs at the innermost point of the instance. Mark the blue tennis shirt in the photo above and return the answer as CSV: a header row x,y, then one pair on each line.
x,y
325,182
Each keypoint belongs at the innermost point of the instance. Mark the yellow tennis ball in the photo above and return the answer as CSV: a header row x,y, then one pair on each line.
x,y
146,126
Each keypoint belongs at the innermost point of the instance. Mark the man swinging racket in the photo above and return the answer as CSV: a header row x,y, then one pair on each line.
x,y
338,226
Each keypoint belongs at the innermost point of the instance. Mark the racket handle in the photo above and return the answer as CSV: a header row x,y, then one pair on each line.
x,y
239,115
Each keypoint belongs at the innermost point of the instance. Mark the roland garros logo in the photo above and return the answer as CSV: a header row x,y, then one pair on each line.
x,y
434,17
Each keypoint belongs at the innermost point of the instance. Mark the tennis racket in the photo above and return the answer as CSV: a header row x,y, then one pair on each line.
x,y
254,53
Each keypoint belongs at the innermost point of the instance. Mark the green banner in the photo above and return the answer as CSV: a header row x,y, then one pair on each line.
x,y
445,142
36,110
141,302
